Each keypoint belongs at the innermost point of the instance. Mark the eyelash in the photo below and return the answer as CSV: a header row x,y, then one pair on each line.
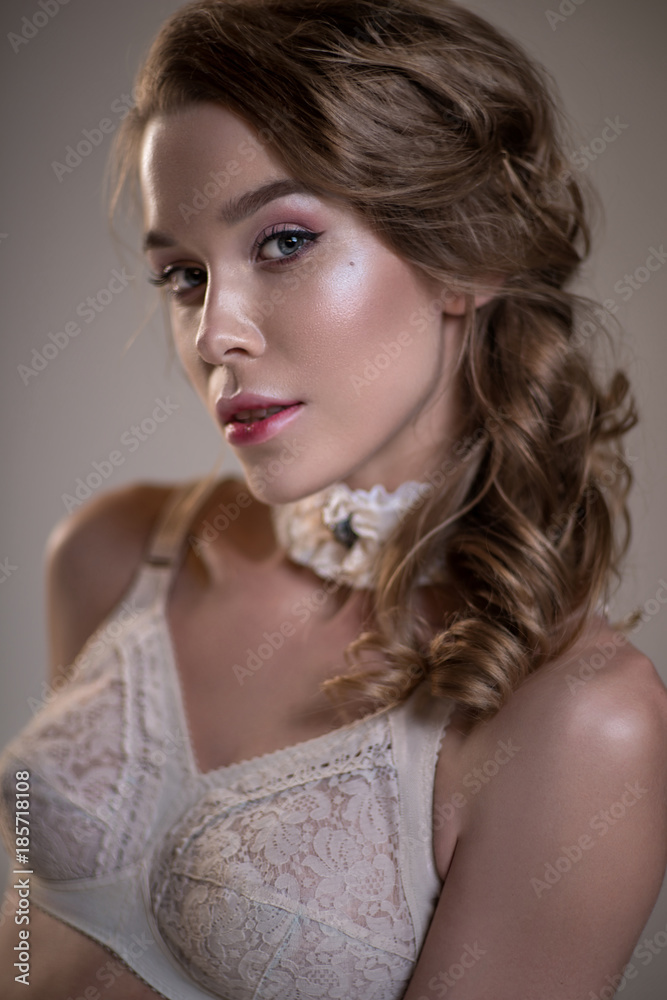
x,y
167,273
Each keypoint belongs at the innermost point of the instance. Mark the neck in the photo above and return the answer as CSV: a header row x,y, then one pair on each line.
x,y
339,532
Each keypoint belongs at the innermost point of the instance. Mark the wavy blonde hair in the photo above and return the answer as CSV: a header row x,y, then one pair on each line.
x,y
450,141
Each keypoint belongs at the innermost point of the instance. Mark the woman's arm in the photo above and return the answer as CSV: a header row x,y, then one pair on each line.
x,y
562,853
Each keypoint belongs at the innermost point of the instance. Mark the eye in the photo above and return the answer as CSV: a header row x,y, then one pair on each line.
x,y
284,243
179,286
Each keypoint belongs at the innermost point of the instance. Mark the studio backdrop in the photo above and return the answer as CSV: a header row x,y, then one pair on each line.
x,y
92,396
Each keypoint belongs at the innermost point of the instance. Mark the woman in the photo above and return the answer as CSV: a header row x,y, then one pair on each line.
x,y
364,226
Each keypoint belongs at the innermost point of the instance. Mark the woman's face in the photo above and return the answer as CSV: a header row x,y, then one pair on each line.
x,y
291,297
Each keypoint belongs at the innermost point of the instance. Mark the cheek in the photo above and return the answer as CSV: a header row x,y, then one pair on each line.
x,y
363,310
183,338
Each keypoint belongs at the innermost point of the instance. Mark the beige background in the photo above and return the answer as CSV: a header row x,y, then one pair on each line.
x,y
608,58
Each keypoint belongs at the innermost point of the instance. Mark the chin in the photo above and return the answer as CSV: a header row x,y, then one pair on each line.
x,y
288,485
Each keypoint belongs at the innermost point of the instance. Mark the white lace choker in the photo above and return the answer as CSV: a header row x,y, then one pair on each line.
x,y
339,532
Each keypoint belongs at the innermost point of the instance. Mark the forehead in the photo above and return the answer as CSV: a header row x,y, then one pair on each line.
x,y
206,126
199,145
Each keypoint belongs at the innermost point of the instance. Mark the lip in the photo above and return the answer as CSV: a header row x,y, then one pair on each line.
x,y
257,431
228,408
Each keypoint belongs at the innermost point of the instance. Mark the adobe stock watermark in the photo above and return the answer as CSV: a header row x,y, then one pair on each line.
x,y
590,495
473,782
645,952
601,823
126,787
392,350
289,282
566,9
444,981
626,286
106,975
114,970
292,282
607,650
247,151
301,610
259,479
95,646
7,569
92,138
131,440
389,352
88,310
460,453
225,514
582,158
31,26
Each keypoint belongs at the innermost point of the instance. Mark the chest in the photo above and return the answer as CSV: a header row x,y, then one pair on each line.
x,y
291,861
250,672
250,660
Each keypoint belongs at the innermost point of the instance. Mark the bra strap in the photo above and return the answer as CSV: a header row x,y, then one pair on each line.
x,y
417,731
164,547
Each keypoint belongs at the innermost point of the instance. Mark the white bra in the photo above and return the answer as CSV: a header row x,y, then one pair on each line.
x,y
308,871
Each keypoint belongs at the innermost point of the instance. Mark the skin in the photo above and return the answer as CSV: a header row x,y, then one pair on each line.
x,y
344,297
578,750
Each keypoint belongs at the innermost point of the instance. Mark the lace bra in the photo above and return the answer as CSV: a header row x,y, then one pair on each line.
x,y
305,872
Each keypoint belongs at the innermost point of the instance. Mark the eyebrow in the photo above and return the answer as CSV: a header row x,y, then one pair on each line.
x,y
236,209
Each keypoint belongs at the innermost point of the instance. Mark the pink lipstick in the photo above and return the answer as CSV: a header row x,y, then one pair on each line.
x,y
251,419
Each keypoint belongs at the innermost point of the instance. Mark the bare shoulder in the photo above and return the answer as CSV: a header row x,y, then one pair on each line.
x,y
92,556
603,697
584,720
563,828
123,515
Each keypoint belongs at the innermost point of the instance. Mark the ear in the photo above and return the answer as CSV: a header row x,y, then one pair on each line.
x,y
454,303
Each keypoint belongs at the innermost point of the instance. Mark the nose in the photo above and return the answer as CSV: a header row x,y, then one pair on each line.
x,y
226,326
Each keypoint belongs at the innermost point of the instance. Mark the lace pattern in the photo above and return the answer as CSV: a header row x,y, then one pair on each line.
x,y
293,875
282,880
312,873
92,753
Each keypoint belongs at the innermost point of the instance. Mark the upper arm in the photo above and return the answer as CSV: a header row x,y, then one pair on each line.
x,y
563,854
91,557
